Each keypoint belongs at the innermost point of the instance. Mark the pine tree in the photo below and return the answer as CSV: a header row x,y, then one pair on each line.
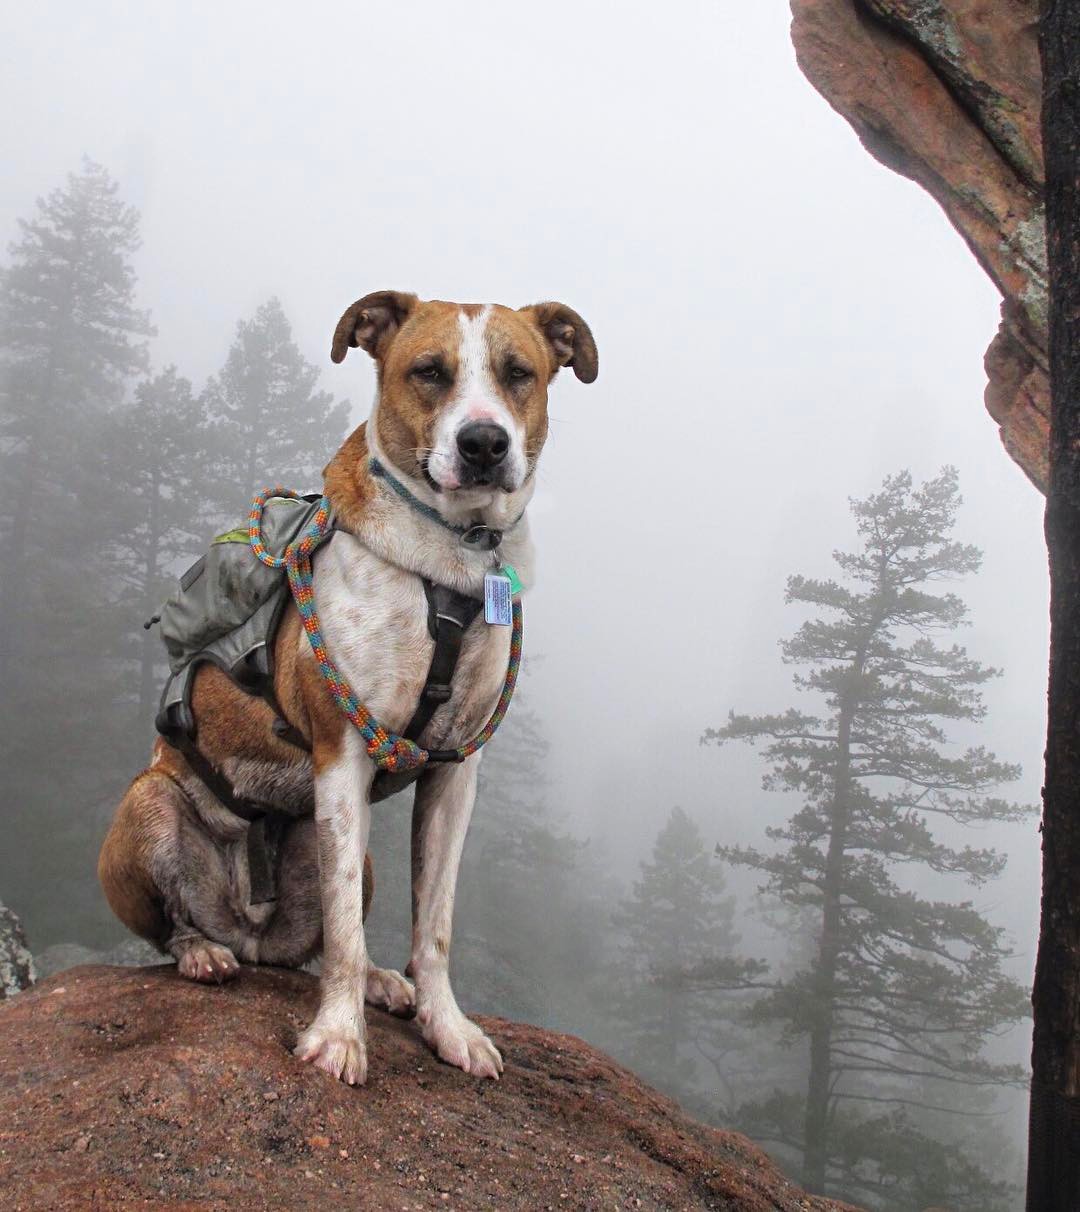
x,y
904,991
162,450
274,425
71,340
674,1023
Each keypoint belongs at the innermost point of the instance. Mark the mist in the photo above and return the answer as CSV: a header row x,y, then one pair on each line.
x,y
781,324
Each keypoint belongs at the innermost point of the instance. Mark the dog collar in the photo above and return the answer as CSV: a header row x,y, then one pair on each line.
x,y
478,537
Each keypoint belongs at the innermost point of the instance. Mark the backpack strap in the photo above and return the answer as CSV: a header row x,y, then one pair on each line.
x,y
176,723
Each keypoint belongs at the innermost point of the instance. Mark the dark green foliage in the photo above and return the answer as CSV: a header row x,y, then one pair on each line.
x,y
272,424
903,992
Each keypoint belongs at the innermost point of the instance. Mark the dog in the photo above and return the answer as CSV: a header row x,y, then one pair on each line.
x,y
460,420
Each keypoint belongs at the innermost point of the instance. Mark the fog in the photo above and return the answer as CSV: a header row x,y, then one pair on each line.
x,y
781,323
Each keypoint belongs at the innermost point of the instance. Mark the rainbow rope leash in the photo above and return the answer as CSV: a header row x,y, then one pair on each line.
x,y
386,749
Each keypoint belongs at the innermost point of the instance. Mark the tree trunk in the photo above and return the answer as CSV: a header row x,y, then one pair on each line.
x,y
1054,1146
816,1120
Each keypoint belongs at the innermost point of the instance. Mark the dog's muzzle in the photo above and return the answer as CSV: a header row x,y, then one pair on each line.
x,y
482,449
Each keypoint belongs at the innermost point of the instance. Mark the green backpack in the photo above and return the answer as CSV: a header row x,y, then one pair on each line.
x,y
224,590
227,606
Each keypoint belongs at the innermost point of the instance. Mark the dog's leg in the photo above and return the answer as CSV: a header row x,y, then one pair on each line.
x,y
389,990
335,1040
150,887
443,806
199,959
293,933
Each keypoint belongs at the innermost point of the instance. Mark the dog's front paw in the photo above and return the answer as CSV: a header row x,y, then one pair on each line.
x,y
208,963
459,1041
391,991
341,1052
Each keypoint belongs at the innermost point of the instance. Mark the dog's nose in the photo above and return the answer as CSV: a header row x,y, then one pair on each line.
x,y
483,444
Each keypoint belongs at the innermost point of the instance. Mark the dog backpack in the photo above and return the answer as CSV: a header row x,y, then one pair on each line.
x,y
226,609
228,586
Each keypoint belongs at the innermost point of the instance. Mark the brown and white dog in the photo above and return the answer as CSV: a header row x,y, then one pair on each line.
x,y
460,417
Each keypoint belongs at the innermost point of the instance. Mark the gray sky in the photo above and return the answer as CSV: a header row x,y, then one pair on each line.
x,y
780,320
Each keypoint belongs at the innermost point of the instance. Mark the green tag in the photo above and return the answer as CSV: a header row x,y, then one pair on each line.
x,y
510,572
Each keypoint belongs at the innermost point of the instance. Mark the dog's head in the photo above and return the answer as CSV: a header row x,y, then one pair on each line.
x,y
462,402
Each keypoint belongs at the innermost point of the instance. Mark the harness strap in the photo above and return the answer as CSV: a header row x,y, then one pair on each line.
x,y
449,615
177,726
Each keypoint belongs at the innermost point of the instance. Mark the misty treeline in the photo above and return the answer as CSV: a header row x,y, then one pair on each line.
x,y
116,473
862,1053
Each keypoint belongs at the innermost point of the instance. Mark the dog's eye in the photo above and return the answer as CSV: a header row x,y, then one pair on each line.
x,y
517,373
429,372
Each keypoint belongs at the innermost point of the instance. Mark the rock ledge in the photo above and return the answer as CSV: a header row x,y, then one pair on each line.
x,y
121,1085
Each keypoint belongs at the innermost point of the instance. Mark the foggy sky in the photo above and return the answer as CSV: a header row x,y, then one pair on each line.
x,y
780,321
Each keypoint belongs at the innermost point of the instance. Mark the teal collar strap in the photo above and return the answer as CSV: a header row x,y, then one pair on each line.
x,y
478,537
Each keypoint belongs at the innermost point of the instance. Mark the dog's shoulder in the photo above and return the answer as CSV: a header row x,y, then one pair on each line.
x,y
346,482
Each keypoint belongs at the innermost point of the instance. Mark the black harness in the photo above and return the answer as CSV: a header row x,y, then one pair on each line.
x,y
450,614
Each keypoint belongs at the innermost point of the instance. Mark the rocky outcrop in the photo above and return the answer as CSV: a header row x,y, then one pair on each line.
x,y
132,1085
947,92
16,962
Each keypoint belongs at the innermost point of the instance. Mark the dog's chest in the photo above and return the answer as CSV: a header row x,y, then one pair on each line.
x,y
374,618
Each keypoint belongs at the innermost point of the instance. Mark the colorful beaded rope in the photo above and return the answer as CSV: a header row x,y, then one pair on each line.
x,y
386,749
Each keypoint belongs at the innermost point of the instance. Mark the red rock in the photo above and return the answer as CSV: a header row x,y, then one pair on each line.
x,y
948,93
168,1132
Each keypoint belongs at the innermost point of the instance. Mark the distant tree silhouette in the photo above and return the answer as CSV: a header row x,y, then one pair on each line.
x,y
903,991
273,424
71,341
162,449
673,970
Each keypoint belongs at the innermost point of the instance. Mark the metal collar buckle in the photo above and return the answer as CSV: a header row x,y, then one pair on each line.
x,y
482,538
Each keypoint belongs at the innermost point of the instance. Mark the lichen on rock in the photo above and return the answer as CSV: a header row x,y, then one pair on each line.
x,y
16,963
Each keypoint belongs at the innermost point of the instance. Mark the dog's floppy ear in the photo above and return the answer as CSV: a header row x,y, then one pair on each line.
x,y
371,322
568,337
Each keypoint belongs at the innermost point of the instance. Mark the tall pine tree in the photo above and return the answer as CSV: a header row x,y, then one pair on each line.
x,y
904,990
71,340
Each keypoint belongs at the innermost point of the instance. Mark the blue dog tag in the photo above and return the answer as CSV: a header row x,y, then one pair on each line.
x,y
498,599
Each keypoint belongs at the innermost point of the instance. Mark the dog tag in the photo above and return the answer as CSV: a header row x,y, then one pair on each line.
x,y
498,599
